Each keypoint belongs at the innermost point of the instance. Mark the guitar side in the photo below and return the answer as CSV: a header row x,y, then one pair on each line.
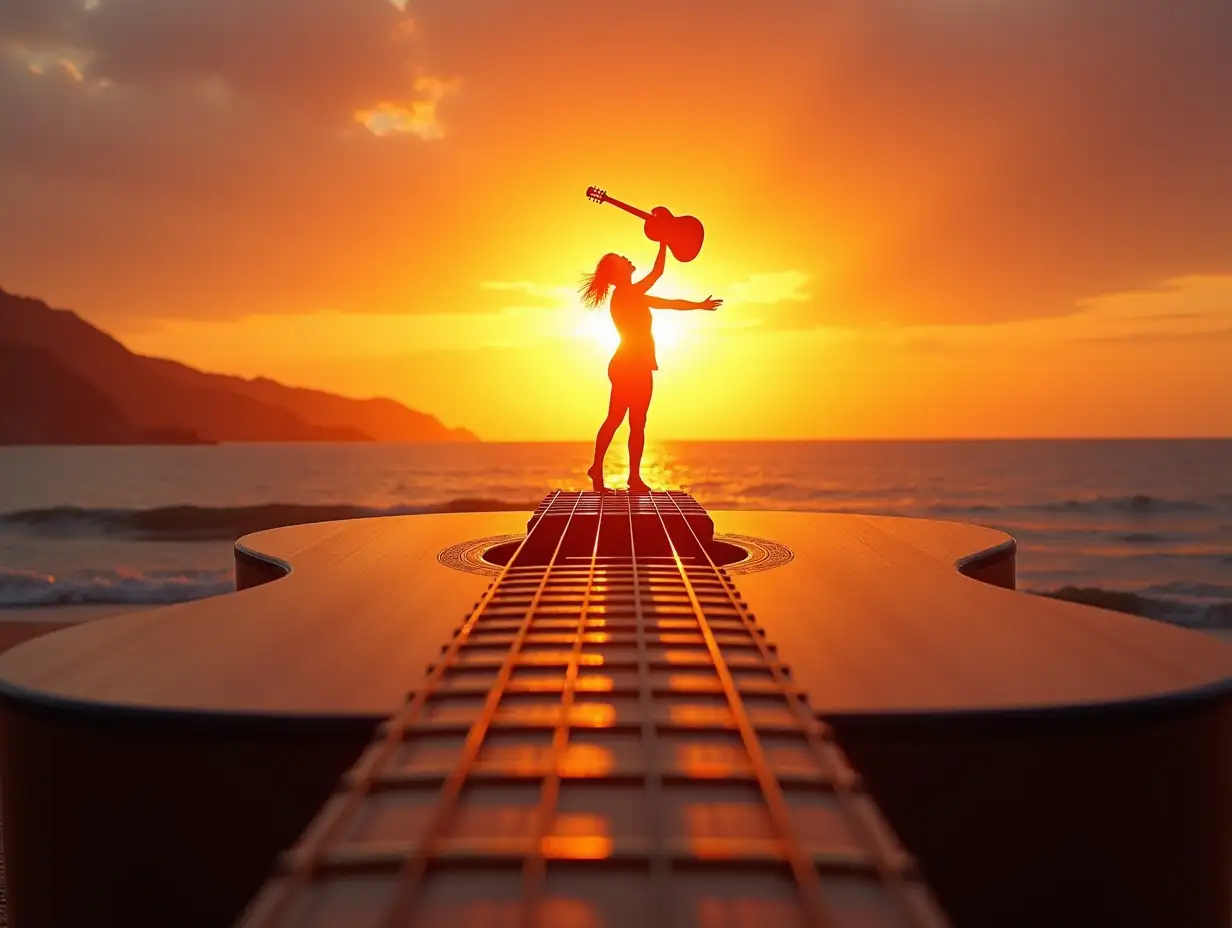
x,y
150,754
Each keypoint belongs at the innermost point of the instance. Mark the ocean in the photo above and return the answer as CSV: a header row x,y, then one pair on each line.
x,y
1143,525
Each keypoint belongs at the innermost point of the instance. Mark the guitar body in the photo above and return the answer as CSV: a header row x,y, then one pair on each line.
x,y
1041,762
683,235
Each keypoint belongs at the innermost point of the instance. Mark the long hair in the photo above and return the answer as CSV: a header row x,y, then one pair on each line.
x,y
595,286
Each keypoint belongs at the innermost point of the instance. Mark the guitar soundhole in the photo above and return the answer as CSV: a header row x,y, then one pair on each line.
x,y
724,553
740,554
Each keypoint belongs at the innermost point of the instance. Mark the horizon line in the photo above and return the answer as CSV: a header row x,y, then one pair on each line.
x,y
918,438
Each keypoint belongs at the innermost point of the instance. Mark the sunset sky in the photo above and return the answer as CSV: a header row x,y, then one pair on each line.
x,y
928,218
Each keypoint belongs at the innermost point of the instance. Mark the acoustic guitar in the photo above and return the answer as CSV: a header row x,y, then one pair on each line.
x,y
605,713
682,234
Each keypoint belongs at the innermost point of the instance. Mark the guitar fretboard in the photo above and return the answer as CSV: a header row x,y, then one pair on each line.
x,y
608,739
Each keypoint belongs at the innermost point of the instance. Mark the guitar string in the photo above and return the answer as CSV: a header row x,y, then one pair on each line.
x,y
659,859
412,872
651,756
802,866
323,832
533,874
892,873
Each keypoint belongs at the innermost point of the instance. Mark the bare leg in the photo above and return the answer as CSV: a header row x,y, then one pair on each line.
x,y
616,409
637,438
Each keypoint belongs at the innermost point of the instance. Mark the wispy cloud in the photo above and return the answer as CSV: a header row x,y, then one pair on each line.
x,y
525,294
1189,309
414,117
770,288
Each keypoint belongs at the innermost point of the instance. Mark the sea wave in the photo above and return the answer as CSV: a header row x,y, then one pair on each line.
x,y
117,586
1192,590
1140,504
1174,611
781,490
218,523
222,523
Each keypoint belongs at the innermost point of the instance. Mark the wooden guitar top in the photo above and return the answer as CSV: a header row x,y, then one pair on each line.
x,y
872,615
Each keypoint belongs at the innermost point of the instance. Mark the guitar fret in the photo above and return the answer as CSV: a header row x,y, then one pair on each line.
x,y
606,734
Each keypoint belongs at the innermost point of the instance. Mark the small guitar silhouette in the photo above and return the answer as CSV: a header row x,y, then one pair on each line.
x,y
682,234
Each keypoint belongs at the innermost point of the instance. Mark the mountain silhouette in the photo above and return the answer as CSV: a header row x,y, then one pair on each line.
x,y
41,403
158,400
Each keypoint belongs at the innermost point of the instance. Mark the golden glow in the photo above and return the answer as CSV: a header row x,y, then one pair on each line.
x,y
721,375
692,716
592,715
596,684
416,118
685,658
681,682
679,638
596,326
586,760
710,760
579,836
416,228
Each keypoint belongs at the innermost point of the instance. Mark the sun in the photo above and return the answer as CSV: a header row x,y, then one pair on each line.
x,y
596,326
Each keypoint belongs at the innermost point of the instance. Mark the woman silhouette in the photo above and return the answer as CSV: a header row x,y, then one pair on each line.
x,y
632,367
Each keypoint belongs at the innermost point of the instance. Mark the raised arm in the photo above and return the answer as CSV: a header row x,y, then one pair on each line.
x,y
656,302
655,272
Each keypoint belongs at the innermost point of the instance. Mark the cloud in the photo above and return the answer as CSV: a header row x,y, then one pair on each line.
x,y
39,22
1191,309
920,161
418,118
1180,310
222,137
1031,155
1203,335
323,58
770,288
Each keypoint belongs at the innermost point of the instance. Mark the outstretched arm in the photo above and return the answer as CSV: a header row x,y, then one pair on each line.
x,y
656,302
655,272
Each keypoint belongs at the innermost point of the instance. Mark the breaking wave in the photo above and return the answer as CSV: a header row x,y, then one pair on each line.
x,y
1140,504
1099,505
1177,612
118,586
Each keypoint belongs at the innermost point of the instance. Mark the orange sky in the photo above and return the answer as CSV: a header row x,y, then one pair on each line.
x,y
927,217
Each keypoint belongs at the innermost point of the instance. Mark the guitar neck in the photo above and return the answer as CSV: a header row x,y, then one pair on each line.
x,y
641,214
607,679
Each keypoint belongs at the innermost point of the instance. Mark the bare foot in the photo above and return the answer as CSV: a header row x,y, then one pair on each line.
x,y
596,480
638,485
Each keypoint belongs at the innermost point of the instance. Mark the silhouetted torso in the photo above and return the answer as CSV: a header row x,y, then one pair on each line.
x,y
631,315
